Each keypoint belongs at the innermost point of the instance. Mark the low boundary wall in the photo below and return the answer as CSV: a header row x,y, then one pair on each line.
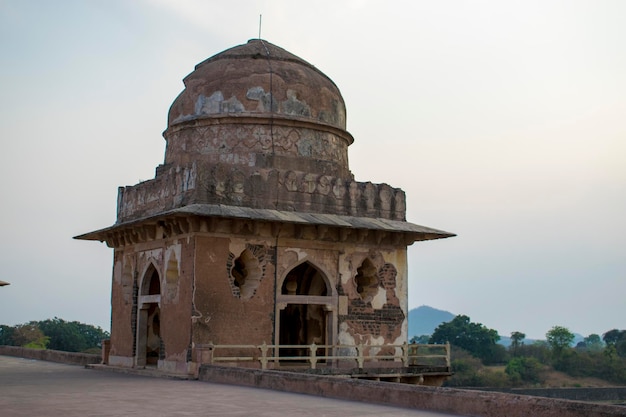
x,y
576,394
73,358
447,400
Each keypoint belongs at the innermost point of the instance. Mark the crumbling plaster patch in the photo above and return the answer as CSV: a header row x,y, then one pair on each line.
x,y
300,253
294,106
123,277
215,104
346,338
117,272
172,271
380,299
362,321
174,250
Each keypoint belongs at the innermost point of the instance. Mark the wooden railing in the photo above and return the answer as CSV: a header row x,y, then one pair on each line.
x,y
405,355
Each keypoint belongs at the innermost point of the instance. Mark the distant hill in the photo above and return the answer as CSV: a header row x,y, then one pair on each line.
x,y
425,319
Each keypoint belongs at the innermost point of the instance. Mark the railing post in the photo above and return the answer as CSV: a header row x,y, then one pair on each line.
x,y
211,347
405,355
359,355
312,355
263,358
448,354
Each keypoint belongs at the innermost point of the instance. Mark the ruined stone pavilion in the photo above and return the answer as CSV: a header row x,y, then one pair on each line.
x,y
254,230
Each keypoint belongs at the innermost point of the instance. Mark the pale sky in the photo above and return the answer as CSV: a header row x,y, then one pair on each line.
x,y
503,121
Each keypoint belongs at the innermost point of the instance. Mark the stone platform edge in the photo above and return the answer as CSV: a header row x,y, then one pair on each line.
x,y
446,400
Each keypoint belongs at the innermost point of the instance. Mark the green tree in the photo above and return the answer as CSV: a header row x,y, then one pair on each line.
x,y
516,340
473,337
29,335
592,343
612,337
72,336
617,340
539,350
559,338
420,340
6,335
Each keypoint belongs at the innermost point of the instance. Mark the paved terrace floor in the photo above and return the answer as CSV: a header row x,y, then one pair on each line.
x,y
36,388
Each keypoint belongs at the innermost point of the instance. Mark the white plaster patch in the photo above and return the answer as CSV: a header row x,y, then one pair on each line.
x,y
117,272
375,343
175,250
380,299
399,340
344,270
121,361
345,338
209,105
299,253
172,271
154,254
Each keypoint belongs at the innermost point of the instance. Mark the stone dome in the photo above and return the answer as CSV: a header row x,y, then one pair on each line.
x,y
257,128
259,78
257,106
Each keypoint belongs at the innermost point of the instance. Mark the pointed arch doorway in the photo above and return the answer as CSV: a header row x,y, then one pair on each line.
x,y
148,345
306,304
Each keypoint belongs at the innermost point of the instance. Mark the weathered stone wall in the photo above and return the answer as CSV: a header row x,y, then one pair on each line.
x,y
74,358
173,261
176,295
123,304
226,311
227,288
446,400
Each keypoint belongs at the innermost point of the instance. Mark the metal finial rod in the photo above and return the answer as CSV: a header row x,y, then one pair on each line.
x,y
260,18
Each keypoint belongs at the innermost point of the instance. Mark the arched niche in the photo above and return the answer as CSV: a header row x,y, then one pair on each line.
x,y
305,279
151,283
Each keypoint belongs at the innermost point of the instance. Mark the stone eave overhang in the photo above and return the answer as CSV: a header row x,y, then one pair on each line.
x,y
411,232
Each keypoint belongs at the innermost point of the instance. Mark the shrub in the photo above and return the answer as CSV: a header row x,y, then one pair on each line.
x,y
524,370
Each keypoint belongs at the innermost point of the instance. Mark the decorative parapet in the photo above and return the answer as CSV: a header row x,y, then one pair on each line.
x,y
263,189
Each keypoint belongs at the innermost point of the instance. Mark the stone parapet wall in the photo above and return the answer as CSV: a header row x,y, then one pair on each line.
x,y
74,358
260,189
446,400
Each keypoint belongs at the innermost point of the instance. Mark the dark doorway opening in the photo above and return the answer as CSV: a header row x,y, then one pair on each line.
x,y
303,323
